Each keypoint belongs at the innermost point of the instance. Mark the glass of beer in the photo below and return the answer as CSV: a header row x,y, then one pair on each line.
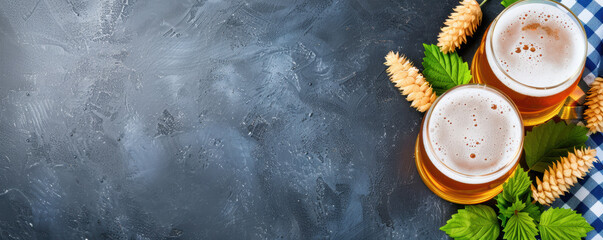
x,y
470,142
534,52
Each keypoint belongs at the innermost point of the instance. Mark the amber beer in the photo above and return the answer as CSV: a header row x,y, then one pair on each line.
x,y
470,143
534,51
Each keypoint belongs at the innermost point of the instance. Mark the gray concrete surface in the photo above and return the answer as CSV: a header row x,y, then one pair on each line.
x,y
210,119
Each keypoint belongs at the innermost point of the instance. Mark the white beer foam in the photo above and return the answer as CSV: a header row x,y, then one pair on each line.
x,y
538,45
474,132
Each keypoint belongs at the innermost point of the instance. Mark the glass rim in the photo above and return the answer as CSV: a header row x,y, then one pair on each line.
x,y
573,17
425,133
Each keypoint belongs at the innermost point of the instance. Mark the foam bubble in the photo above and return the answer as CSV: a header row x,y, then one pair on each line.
x,y
539,45
479,136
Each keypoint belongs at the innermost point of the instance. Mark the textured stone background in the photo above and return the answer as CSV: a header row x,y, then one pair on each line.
x,y
124,119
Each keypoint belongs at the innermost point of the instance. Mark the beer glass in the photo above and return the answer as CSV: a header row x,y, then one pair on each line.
x,y
470,142
534,51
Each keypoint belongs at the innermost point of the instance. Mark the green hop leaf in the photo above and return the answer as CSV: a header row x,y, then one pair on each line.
x,y
532,209
547,142
502,204
520,227
560,223
513,209
506,3
473,222
516,187
444,71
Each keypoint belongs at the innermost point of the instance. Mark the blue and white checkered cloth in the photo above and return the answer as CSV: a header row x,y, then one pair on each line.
x,y
586,197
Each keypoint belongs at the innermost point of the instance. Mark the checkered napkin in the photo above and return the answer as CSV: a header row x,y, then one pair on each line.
x,y
586,196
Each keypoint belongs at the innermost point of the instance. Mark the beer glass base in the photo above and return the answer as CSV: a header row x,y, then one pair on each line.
x,y
444,192
529,118
536,118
